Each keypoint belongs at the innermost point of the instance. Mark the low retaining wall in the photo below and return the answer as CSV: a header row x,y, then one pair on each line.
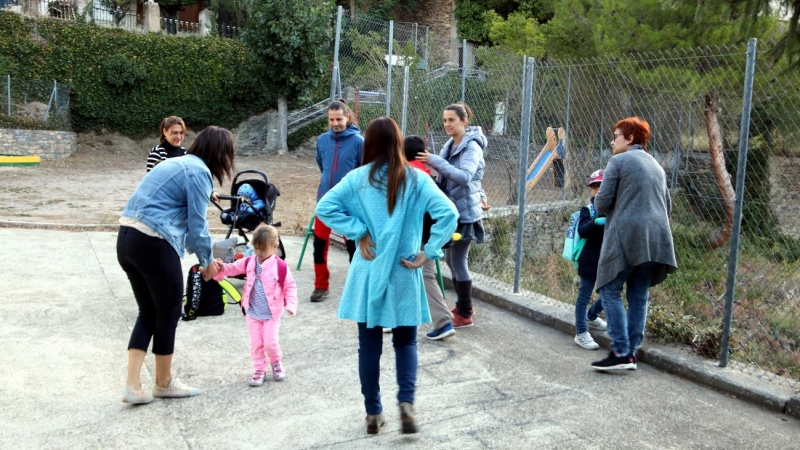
x,y
43,143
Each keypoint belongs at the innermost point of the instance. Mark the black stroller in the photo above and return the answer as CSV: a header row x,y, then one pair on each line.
x,y
245,213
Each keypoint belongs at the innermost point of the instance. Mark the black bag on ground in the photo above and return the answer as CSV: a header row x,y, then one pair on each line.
x,y
203,298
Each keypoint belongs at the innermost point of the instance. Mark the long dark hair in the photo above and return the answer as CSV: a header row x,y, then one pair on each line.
x,y
215,146
383,145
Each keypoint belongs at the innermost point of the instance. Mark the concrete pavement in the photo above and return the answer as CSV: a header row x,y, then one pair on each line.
x,y
509,382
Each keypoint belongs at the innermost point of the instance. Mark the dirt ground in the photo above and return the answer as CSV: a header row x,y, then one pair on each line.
x,y
91,186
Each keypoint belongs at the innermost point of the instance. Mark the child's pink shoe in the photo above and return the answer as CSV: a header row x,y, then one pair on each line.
x,y
277,371
258,378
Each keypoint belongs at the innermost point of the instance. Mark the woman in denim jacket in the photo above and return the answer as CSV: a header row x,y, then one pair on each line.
x,y
166,214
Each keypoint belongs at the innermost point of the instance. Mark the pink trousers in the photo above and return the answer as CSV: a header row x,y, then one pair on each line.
x,y
264,342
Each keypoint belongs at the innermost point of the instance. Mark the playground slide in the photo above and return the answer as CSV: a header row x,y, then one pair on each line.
x,y
552,150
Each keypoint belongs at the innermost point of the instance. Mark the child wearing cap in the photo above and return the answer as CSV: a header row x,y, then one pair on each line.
x,y
591,227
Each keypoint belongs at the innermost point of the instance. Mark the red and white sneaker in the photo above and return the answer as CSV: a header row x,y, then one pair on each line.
x,y
460,321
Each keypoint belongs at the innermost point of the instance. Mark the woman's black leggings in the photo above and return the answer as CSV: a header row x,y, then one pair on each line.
x,y
154,270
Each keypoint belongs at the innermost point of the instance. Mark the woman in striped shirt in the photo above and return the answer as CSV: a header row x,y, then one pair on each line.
x,y
173,130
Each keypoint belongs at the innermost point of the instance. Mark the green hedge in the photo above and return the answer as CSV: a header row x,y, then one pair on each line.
x,y
127,82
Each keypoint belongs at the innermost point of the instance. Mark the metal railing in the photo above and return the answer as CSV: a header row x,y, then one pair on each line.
x,y
58,9
296,119
179,27
119,17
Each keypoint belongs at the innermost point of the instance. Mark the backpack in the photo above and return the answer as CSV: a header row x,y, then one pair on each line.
x,y
281,274
206,298
573,242
203,298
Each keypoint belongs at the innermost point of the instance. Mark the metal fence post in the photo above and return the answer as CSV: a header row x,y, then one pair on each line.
x,y
335,76
566,138
391,66
525,140
405,100
8,86
673,180
427,47
691,134
464,70
50,102
744,136
601,134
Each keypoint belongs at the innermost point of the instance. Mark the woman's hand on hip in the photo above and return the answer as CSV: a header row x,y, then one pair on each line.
x,y
366,246
419,260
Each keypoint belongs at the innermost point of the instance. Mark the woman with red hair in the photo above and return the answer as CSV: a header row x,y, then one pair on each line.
x,y
637,251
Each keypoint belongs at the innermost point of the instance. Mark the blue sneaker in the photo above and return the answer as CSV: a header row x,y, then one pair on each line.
x,y
441,333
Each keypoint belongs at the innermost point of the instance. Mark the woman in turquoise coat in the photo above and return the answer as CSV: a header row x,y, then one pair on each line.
x,y
381,205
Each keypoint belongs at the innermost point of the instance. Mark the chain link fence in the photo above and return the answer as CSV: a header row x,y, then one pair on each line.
x,y
685,95
34,104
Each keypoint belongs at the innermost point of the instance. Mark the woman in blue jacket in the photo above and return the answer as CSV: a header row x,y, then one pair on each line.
x,y
460,165
381,205
166,214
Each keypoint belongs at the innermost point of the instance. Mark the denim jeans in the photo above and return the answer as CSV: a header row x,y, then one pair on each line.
x,y
370,347
584,296
627,331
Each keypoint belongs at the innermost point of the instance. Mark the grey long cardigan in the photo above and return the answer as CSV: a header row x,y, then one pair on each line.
x,y
637,204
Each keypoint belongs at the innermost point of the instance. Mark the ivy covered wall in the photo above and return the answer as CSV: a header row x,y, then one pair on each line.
x,y
127,82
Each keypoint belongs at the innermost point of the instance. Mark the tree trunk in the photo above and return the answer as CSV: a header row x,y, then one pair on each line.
x,y
283,117
352,9
722,236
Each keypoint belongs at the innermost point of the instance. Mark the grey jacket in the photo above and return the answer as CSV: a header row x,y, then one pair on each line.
x,y
461,171
637,204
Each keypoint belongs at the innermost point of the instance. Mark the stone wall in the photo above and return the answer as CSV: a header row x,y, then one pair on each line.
x,y
45,144
543,234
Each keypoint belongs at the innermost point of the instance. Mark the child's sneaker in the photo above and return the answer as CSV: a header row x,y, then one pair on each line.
x,y
176,389
585,340
440,333
258,378
277,371
598,323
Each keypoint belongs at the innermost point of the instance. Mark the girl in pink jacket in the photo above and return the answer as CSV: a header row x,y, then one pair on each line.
x,y
269,289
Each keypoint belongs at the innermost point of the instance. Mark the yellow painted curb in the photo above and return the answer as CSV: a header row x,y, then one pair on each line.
x,y
19,160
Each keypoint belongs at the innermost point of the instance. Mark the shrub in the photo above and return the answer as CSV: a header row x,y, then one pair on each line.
x,y
127,82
